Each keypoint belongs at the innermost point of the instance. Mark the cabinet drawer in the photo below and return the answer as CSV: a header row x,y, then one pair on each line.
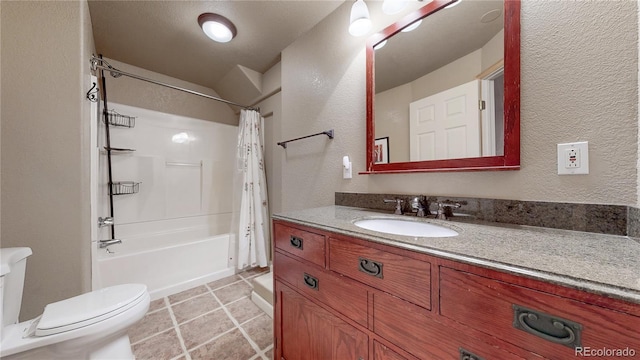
x,y
405,277
304,244
533,320
343,295
416,330
381,352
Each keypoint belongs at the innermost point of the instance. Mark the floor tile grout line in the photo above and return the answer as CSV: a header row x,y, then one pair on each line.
x,y
199,316
153,335
203,293
177,328
212,339
255,346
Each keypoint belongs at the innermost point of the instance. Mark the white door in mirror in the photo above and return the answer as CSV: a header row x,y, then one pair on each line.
x,y
573,158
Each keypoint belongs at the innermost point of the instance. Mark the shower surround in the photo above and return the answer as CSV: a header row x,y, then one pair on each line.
x,y
175,229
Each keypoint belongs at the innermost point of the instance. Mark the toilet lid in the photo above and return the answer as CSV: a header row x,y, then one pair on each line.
x,y
89,308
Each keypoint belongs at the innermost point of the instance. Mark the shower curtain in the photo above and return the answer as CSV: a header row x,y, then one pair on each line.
x,y
252,232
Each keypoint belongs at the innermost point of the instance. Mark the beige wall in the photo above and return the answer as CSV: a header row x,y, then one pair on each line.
x,y
392,120
45,164
133,92
579,82
493,50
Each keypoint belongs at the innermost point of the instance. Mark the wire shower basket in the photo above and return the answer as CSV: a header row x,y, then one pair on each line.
x,y
124,187
117,119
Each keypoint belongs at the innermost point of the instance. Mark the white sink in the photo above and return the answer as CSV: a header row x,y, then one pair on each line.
x,y
405,227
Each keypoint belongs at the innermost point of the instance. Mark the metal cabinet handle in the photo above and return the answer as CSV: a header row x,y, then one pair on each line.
x,y
370,267
547,327
468,355
296,242
311,282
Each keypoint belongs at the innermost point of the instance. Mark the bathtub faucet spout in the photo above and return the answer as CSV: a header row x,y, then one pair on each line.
x,y
105,243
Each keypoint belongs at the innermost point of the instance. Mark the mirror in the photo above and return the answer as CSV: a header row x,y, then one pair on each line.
x,y
446,95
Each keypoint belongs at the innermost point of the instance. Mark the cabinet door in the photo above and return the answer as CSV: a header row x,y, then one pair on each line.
x,y
309,332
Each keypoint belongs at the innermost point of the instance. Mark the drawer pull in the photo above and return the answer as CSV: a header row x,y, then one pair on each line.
x,y
547,327
370,267
296,242
467,355
311,282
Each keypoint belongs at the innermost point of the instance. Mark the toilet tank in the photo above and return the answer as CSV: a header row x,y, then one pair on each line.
x,y
13,282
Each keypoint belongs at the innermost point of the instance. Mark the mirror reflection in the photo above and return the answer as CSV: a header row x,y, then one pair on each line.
x,y
439,89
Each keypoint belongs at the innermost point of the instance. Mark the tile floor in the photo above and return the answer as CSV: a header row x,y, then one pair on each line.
x,y
213,321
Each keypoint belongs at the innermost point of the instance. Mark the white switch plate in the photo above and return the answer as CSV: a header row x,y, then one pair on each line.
x,y
573,158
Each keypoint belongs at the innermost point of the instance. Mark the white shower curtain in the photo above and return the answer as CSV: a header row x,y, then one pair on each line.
x,y
253,220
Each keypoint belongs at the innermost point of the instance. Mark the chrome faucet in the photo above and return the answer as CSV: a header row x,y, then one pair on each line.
x,y
420,205
398,205
444,210
105,221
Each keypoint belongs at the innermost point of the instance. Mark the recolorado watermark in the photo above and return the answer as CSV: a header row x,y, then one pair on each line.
x,y
604,352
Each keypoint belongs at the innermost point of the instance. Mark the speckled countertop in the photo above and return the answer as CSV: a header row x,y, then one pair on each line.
x,y
602,264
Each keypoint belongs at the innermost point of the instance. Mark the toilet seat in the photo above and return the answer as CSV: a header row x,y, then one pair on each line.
x,y
89,308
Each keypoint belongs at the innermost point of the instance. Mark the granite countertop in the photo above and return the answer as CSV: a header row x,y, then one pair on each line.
x,y
602,264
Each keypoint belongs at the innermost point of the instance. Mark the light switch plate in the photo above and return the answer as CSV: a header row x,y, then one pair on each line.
x,y
573,158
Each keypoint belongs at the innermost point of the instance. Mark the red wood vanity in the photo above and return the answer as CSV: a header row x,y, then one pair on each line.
x,y
340,297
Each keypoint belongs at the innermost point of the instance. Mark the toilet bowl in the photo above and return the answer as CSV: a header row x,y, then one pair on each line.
x,y
89,326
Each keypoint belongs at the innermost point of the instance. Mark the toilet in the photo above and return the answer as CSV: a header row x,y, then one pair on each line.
x,y
89,326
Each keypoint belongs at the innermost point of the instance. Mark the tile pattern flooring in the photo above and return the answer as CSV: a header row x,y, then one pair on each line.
x,y
213,321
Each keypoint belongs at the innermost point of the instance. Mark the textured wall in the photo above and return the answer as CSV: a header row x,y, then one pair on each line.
x,y
45,133
579,82
133,92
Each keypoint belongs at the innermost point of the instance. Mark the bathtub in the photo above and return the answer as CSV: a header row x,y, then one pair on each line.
x,y
167,262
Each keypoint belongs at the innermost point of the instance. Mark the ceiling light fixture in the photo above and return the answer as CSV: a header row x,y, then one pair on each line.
x,y
359,21
412,26
391,7
217,27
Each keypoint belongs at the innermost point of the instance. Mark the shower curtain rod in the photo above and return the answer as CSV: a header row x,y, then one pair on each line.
x,y
96,64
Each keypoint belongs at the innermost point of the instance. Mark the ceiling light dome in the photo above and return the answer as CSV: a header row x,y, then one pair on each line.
x,y
359,21
217,27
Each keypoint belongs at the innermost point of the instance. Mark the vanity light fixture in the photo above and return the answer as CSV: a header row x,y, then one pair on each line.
x,y
217,27
391,7
452,4
359,21
413,26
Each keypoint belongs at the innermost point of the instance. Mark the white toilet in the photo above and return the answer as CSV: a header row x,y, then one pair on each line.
x,y
89,326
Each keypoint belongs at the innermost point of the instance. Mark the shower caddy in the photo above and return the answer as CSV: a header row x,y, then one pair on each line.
x,y
113,118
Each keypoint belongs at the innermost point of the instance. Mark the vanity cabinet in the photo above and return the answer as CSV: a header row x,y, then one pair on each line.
x,y
341,297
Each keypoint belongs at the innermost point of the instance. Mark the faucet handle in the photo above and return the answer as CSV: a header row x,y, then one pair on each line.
x,y
398,204
444,210
420,205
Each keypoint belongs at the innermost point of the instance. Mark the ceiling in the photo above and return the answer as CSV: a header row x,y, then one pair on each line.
x,y
164,36
443,37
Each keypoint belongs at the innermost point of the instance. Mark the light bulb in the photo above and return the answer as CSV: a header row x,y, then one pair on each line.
x,y
359,21
217,31
412,26
391,7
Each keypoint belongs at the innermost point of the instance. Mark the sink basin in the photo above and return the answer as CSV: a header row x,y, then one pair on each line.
x,y
405,227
